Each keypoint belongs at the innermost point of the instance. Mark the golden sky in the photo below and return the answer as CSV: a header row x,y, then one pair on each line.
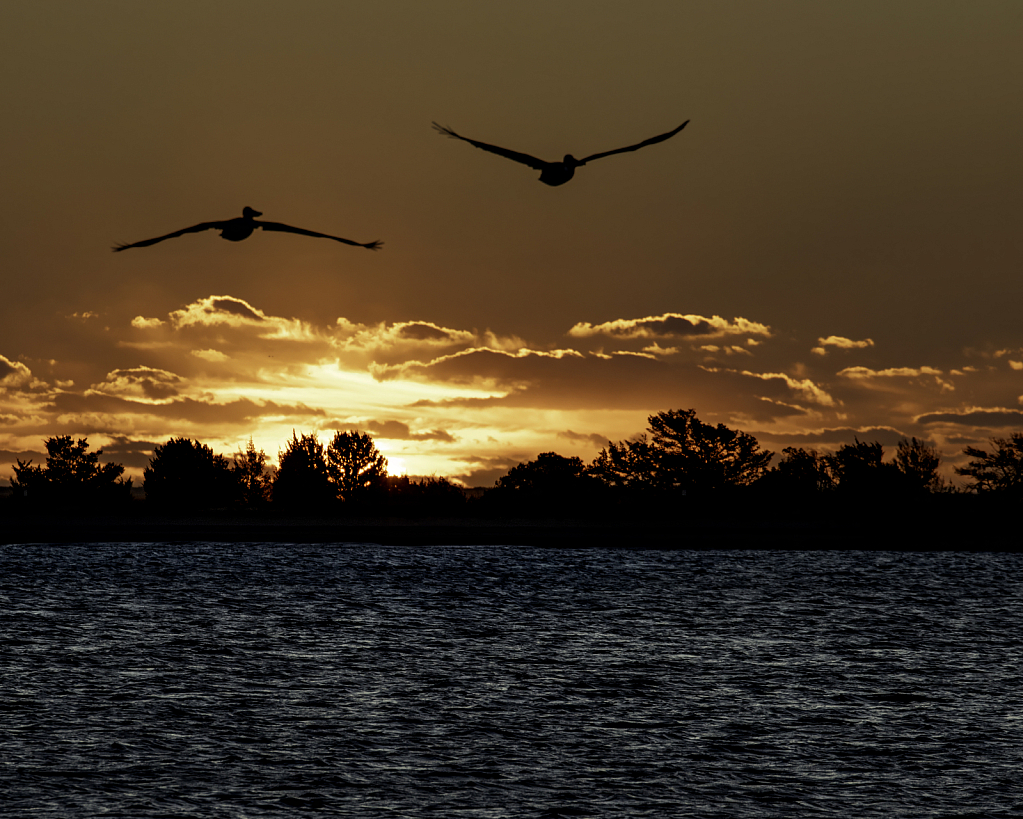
x,y
831,248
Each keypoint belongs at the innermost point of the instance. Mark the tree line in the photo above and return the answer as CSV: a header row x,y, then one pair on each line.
x,y
185,475
678,455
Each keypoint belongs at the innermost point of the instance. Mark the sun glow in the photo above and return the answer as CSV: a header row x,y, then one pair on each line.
x,y
432,439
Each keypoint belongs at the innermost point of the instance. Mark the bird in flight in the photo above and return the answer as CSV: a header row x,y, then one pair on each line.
x,y
556,173
234,230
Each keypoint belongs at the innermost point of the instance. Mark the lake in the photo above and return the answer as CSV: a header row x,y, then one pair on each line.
x,y
259,680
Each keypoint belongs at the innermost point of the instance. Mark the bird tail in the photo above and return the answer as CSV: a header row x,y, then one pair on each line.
x,y
445,131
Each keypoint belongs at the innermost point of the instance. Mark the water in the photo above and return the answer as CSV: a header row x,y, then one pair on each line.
x,y
253,680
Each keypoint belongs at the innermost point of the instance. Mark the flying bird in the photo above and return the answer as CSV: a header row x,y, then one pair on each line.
x,y
556,173
234,230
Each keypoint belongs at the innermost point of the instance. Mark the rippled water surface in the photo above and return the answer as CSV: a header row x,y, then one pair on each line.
x,y
247,680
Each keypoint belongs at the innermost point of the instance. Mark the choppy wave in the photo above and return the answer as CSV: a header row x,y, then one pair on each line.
x,y
251,680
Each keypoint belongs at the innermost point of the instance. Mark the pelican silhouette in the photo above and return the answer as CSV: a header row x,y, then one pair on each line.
x,y
556,173
234,230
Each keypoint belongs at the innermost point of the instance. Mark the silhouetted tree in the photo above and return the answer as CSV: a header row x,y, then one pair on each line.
x,y
184,475
549,483
800,472
29,481
355,466
253,477
72,475
682,452
998,472
549,473
919,464
624,465
302,481
431,496
859,469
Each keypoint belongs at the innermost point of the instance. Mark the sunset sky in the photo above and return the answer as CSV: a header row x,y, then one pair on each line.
x,y
831,248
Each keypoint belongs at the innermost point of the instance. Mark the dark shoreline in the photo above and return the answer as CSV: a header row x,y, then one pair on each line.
x,y
817,533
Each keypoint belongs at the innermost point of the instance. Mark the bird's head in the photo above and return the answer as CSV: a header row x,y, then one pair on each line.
x,y
250,213
571,161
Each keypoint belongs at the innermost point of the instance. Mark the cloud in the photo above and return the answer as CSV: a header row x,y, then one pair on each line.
x,y
886,436
803,387
866,374
241,410
532,378
891,372
214,310
593,439
214,356
731,349
140,384
485,471
398,431
236,307
229,311
975,416
428,331
656,349
398,342
600,383
131,453
670,325
14,374
841,343
488,366
241,341
770,409
11,456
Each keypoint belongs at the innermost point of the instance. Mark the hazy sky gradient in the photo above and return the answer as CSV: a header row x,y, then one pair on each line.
x,y
830,249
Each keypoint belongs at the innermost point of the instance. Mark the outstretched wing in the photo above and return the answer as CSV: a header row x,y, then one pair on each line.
x,y
302,232
515,156
194,229
643,144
